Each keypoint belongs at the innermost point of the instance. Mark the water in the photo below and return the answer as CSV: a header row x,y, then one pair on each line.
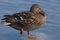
x,y
50,31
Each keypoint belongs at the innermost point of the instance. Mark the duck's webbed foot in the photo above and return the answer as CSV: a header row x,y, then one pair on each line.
x,y
31,36
21,31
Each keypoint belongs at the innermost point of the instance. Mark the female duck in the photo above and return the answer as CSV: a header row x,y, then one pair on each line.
x,y
26,21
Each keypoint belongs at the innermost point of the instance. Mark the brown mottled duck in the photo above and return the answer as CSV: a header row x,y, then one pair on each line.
x,y
27,20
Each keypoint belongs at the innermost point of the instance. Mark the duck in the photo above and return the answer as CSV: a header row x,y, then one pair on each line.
x,y
26,20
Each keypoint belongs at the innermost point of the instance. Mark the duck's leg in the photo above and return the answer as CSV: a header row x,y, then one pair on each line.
x,y
21,31
30,36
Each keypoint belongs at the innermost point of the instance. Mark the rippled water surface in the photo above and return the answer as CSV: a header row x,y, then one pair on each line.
x,y
50,31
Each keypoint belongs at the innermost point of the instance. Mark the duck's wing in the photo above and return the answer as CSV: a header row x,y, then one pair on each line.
x,y
21,16
24,18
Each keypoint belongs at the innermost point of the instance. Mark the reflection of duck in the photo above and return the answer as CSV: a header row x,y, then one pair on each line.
x,y
26,21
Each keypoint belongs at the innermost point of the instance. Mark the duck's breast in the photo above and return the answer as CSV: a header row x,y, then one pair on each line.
x,y
36,22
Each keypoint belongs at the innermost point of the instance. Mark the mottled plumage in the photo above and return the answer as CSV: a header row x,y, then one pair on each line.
x,y
28,20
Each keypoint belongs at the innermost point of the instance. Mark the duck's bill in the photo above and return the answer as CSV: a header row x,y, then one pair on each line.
x,y
5,23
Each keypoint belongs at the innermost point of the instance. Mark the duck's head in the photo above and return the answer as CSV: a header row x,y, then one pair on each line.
x,y
35,8
8,20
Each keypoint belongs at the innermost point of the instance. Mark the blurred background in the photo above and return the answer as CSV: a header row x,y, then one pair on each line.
x,y
50,31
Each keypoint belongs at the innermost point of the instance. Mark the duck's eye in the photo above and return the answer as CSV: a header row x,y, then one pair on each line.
x,y
18,18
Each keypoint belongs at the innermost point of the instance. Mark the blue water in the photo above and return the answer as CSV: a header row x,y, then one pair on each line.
x,y
50,31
